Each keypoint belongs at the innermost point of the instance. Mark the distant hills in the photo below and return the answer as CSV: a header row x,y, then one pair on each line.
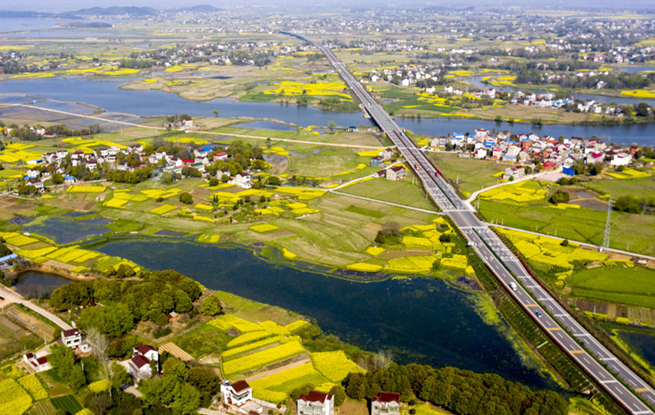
x,y
136,12
118,11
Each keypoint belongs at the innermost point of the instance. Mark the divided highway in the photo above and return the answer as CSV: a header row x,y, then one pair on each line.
x,y
631,391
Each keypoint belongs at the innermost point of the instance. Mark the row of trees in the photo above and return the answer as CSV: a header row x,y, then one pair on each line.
x,y
459,391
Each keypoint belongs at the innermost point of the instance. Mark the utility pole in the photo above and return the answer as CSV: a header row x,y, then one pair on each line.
x,y
606,239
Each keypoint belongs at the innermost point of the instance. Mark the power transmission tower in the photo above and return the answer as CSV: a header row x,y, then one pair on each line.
x,y
606,240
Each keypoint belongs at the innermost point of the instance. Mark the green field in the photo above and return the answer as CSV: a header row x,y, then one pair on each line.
x,y
401,192
203,340
67,403
631,286
473,174
635,232
366,212
624,187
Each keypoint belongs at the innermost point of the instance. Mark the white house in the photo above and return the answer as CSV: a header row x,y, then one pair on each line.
x,y
243,180
386,403
236,394
621,159
38,364
139,365
71,338
316,403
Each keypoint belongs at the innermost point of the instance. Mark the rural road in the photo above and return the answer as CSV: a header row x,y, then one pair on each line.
x,y
13,297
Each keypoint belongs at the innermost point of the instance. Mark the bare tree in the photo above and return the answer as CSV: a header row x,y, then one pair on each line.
x,y
99,344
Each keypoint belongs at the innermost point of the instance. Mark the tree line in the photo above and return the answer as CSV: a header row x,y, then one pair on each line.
x,y
460,391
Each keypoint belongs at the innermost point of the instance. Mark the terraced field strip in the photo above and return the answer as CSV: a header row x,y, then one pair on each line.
x,y
34,324
278,370
176,351
42,408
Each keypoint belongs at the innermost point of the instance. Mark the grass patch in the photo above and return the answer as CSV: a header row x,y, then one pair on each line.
x,y
366,212
67,403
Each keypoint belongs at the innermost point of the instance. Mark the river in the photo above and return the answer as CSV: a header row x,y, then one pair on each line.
x,y
419,320
106,94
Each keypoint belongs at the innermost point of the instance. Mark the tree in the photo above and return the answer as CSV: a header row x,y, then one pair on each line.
x,y
628,204
560,196
186,198
339,394
57,178
274,181
112,320
119,376
166,177
211,306
99,345
62,359
203,379
332,125
183,303
77,377
176,368
216,112
188,400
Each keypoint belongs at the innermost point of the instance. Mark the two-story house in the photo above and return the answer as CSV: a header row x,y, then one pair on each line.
x,y
316,403
387,403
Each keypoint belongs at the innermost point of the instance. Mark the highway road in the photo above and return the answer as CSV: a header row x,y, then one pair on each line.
x,y
629,390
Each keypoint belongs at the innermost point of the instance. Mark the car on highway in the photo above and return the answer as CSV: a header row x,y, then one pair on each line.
x,y
538,314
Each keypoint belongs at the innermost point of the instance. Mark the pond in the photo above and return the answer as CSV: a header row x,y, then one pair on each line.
x,y
418,320
38,284
65,230
107,94
642,343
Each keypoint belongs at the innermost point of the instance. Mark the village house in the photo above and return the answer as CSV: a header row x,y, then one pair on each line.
x,y
396,173
386,154
71,338
243,180
316,403
376,161
621,159
514,173
139,366
386,403
236,394
37,364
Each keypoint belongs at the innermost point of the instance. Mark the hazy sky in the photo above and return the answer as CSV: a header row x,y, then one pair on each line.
x,y
70,5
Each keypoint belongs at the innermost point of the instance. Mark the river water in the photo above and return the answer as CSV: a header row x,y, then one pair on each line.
x,y
419,320
106,94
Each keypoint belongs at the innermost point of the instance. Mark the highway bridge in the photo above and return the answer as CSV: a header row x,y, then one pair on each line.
x,y
632,392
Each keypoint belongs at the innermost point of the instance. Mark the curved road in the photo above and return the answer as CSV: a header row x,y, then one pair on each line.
x,y
627,388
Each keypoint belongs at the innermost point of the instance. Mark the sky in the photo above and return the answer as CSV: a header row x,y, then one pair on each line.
x,y
71,5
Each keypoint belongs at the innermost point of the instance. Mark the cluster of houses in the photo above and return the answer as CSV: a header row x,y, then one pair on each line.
x,y
143,364
525,148
54,162
73,338
237,398
406,75
390,172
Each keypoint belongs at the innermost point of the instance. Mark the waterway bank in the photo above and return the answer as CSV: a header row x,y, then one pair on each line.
x,y
107,94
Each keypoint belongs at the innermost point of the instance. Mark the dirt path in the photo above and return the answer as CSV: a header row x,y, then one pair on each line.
x,y
278,370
